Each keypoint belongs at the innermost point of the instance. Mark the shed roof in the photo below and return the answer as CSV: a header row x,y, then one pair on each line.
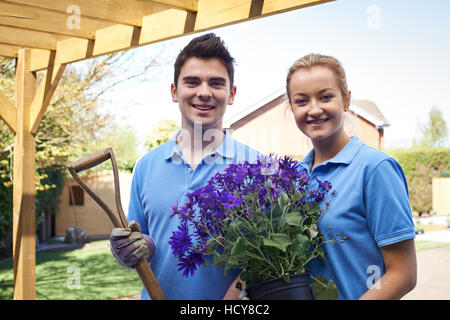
x,y
80,29
363,108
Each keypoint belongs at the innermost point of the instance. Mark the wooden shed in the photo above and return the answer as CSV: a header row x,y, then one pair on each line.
x,y
46,35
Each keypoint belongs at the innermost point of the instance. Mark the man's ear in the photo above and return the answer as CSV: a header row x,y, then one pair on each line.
x,y
347,100
173,91
232,95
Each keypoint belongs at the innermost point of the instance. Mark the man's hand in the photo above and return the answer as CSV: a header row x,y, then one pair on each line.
x,y
129,245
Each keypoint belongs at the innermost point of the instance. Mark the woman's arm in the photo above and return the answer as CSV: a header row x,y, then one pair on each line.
x,y
233,292
401,272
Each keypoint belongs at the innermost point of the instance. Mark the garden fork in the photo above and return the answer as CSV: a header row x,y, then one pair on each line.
x,y
92,160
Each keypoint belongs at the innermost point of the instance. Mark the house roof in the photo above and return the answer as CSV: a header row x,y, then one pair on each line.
x,y
364,108
369,111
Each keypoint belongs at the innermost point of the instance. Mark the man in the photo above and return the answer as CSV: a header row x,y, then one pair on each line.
x,y
203,88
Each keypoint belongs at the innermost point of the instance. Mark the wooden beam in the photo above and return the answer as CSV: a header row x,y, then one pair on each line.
x,y
189,5
24,216
163,25
278,6
115,38
171,23
73,49
8,112
44,93
212,13
40,59
7,50
28,38
128,12
38,19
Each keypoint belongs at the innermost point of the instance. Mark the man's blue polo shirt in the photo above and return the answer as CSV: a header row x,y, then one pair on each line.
x,y
162,178
370,206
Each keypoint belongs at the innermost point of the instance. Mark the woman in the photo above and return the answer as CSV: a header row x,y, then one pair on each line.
x,y
370,202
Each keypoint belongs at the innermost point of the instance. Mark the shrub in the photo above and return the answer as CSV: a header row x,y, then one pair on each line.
x,y
421,165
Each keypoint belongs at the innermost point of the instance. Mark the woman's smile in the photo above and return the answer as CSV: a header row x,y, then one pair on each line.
x,y
317,122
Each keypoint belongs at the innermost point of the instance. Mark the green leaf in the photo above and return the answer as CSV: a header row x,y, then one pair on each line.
x,y
239,246
296,196
277,212
277,240
294,219
313,232
316,208
300,245
211,244
323,289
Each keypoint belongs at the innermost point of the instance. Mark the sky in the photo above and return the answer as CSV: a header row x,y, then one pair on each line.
x,y
395,53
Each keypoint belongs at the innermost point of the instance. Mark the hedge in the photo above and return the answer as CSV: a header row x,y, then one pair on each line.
x,y
420,166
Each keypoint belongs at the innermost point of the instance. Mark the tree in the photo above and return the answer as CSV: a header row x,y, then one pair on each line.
x,y
161,133
123,141
434,133
73,126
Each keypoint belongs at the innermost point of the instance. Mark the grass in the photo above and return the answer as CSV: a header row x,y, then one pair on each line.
x,y
426,245
91,274
81,274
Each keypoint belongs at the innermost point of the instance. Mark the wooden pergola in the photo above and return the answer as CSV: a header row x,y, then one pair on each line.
x,y
47,35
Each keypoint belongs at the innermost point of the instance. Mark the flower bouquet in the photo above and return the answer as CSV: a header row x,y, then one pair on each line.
x,y
260,217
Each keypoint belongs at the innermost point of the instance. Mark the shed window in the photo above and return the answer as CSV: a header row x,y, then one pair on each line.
x,y
76,196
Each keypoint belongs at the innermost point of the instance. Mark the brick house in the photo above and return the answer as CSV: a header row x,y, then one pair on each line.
x,y
269,126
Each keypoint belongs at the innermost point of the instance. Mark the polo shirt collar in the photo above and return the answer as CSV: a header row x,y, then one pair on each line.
x,y
228,146
345,156
226,149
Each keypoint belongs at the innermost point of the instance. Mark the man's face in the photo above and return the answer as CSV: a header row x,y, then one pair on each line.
x,y
203,92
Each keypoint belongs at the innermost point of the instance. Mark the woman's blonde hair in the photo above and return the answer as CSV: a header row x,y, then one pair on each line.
x,y
315,59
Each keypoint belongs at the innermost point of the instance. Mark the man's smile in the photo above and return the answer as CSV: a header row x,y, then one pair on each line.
x,y
203,107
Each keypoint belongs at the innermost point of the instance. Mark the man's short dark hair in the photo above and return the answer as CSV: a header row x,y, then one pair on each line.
x,y
206,46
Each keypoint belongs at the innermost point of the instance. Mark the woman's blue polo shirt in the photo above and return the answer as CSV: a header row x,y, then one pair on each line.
x,y
162,178
370,205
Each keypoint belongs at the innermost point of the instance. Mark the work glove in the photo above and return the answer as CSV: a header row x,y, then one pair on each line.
x,y
129,245
243,293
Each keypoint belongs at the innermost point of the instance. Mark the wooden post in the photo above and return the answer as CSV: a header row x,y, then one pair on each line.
x,y
24,217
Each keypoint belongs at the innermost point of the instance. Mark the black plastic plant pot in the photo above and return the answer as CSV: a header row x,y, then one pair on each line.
x,y
297,289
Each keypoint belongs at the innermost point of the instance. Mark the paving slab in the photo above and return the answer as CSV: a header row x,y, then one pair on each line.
x,y
433,275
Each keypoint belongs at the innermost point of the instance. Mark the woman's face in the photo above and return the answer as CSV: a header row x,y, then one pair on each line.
x,y
318,103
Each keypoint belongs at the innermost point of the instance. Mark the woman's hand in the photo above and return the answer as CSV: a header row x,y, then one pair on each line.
x,y
233,292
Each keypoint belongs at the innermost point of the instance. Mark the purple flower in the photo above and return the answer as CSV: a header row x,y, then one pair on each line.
x,y
315,195
180,241
325,185
229,201
241,191
187,264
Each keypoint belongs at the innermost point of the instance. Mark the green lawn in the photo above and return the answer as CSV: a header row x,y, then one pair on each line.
x,y
425,245
89,274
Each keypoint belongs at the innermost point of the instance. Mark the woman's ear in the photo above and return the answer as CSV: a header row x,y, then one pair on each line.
x,y
347,100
